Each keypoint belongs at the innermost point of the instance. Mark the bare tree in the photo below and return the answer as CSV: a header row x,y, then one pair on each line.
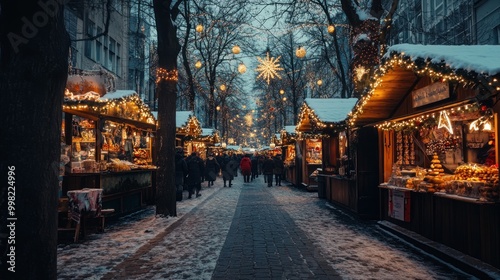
x,y
222,29
34,48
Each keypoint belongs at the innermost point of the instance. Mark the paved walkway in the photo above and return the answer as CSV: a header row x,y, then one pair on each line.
x,y
264,243
248,231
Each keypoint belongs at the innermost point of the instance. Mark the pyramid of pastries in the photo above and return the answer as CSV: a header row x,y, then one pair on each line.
x,y
434,176
436,166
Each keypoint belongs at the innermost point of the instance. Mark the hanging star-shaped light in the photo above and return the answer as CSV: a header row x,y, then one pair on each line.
x,y
268,68
444,121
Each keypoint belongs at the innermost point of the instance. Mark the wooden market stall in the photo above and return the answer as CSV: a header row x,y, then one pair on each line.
x,y
188,130
435,109
288,140
319,119
109,141
210,137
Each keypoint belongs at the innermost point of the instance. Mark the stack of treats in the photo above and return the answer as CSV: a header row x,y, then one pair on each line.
x,y
434,176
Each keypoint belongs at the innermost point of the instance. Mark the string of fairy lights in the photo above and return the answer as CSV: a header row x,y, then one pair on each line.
x,y
435,70
318,127
131,107
433,119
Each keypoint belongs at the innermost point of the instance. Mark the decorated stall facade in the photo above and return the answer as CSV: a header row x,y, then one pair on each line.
x,y
435,109
109,141
319,124
188,130
288,139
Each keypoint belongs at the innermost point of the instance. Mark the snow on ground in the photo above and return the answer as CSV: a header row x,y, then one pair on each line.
x,y
357,249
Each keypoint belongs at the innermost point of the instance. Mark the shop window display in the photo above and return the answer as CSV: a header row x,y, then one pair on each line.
x,y
122,147
449,155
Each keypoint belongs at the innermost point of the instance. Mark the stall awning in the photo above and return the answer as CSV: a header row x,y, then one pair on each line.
x,y
404,64
121,106
320,114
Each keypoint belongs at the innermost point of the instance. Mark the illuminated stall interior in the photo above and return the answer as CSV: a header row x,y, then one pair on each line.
x,y
320,122
114,131
188,129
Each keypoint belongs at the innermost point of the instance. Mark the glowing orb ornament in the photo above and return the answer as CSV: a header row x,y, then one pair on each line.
x,y
236,49
300,52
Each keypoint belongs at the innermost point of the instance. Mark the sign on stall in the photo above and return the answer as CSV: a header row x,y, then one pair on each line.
x,y
399,205
430,94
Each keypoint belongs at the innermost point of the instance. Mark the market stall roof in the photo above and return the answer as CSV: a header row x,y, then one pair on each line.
x,y
290,129
120,106
186,123
209,135
404,64
318,114
233,147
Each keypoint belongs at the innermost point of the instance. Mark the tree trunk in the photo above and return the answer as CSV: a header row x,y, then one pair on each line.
x,y
34,49
168,49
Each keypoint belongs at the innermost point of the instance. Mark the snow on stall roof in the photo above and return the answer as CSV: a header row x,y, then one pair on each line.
x,y
331,109
181,117
483,59
118,94
290,129
207,131
278,135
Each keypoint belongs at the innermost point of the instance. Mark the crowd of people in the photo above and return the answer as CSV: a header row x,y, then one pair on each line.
x,y
192,171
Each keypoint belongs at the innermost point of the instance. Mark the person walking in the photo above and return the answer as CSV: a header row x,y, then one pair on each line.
x,y
211,169
246,168
181,170
262,158
268,169
195,172
255,166
278,169
227,170
235,164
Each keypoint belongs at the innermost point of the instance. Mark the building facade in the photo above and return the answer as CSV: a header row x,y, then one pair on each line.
x,y
93,50
446,22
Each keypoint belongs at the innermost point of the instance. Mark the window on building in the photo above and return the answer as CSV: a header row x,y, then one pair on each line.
x,y
98,46
105,51
111,57
439,7
118,59
88,43
497,35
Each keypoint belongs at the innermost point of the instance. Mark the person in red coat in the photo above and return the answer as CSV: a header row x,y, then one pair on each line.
x,y
246,168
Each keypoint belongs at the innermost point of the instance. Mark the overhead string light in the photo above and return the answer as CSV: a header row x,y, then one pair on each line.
x,y
436,70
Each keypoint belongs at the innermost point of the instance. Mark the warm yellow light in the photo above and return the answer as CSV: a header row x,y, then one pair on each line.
x,y
284,98
282,91
199,28
222,87
218,108
487,126
197,64
300,52
236,49
319,82
331,28
242,68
